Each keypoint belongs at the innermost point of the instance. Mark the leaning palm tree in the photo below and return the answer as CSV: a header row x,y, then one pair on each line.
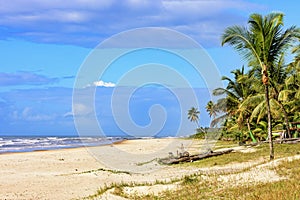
x,y
261,44
193,115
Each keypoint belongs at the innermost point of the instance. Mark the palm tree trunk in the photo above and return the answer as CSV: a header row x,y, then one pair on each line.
x,y
286,120
265,80
269,122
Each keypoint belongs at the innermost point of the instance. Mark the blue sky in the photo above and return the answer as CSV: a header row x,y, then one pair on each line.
x,y
44,44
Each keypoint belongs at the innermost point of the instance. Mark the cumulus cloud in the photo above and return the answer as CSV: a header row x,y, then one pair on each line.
x,y
103,84
24,78
87,23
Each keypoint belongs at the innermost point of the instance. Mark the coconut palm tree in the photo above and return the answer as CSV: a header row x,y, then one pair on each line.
x,y
236,91
290,95
262,44
211,109
193,115
277,83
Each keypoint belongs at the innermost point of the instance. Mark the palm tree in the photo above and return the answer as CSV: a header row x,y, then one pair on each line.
x,y
296,50
290,95
236,91
277,82
193,115
262,44
211,109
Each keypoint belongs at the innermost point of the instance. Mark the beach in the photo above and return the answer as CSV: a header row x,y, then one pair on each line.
x,y
79,172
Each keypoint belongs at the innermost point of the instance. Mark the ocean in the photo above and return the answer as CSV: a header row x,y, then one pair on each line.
x,y
27,144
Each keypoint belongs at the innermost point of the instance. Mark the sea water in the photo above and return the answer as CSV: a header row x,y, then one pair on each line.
x,y
27,144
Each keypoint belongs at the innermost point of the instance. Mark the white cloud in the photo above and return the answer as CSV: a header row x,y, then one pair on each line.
x,y
88,22
103,84
79,109
28,114
198,8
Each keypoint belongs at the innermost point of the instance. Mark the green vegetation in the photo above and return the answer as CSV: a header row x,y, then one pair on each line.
x,y
266,97
281,150
263,44
193,115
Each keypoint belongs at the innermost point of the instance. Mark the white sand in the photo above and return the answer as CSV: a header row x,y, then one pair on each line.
x,y
57,174
74,173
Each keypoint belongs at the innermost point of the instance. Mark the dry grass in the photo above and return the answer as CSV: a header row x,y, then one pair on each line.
x,y
212,186
197,187
284,189
262,152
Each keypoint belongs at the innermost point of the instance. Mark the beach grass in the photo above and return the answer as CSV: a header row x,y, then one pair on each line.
x,y
197,188
194,187
208,186
261,152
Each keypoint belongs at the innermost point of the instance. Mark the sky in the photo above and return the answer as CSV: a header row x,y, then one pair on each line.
x,y
50,83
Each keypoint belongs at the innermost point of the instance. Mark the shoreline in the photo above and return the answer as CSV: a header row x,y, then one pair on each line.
x,y
106,141
61,148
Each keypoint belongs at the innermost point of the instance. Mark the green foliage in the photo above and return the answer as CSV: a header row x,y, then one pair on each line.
x,y
193,115
264,43
198,135
201,132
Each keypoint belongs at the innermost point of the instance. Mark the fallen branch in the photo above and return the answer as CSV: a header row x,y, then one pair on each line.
x,y
288,141
292,141
191,158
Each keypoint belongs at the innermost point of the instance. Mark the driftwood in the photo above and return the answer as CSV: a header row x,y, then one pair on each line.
x,y
191,158
288,141
291,141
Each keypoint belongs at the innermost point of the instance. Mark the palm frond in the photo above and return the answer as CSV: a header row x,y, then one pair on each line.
x,y
258,112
